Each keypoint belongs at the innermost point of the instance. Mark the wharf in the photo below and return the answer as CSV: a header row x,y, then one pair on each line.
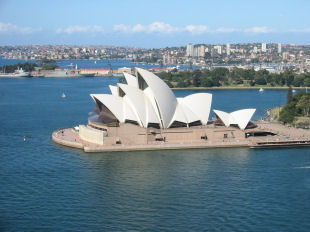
x,y
285,137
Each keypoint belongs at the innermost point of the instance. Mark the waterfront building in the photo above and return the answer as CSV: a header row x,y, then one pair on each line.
x,y
148,102
144,113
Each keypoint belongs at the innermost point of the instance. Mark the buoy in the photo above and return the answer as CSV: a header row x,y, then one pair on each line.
x,y
24,138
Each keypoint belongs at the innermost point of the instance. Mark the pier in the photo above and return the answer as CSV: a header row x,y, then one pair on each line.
x,y
284,137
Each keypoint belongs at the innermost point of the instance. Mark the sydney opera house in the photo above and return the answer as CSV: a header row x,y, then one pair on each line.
x,y
145,111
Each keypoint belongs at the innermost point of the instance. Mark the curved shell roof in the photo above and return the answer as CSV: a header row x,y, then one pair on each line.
x,y
163,95
200,105
239,117
147,99
141,106
131,80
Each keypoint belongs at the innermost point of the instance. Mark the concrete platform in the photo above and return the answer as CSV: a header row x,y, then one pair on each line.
x,y
284,136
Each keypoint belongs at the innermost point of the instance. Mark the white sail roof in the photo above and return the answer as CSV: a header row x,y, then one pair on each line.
x,y
147,99
140,104
113,103
200,105
114,90
164,97
131,80
183,113
239,117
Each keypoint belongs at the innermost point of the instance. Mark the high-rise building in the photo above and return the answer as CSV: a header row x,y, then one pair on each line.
x,y
264,47
164,59
190,50
201,51
285,56
195,54
218,48
279,48
228,49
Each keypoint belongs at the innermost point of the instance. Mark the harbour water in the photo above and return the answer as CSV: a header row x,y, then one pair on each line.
x,y
107,64
46,187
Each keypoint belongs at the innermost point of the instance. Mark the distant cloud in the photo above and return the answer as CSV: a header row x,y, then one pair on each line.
x,y
11,28
159,27
305,30
153,27
197,29
121,27
227,30
259,30
80,29
162,27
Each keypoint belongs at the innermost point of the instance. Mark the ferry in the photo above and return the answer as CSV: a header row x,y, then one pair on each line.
x,y
60,73
18,73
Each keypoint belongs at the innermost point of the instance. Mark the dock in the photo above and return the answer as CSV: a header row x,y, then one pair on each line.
x,y
285,137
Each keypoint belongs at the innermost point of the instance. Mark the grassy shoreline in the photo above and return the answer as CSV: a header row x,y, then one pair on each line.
x,y
237,87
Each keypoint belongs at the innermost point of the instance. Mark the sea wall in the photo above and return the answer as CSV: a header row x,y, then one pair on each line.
x,y
91,135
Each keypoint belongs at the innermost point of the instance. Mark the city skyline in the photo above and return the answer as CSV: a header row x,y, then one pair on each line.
x,y
153,24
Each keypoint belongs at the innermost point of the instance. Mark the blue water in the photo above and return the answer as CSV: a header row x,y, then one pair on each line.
x,y
46,187
114,63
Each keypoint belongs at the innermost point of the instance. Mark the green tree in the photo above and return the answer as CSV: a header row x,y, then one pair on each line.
x,y
289,77
206,82
289,95
304,104
307,82
286,116
196,80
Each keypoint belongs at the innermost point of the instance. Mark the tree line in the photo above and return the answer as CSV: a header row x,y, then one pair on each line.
x,y
296,106
236,77
44,64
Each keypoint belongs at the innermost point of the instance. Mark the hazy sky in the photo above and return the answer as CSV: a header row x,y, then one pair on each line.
x,y
154,23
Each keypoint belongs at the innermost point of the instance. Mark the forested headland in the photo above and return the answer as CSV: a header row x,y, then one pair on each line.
x,y
222,77
44,64
297,109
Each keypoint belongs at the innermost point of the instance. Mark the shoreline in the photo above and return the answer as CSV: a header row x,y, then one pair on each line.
x,y
238,87
284,137
174,88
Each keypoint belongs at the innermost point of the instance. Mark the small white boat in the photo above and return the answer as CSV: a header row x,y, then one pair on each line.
x,y
63,95
293,90
261,90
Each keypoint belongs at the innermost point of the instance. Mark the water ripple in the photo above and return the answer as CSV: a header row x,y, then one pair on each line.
x,y
46,187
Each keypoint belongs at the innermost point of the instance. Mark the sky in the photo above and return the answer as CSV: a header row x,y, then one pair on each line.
x,y
153,24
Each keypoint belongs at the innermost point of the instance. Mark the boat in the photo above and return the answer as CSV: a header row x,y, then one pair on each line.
x,y
261,90
88,74
62,73
63,95
294,91
18,73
